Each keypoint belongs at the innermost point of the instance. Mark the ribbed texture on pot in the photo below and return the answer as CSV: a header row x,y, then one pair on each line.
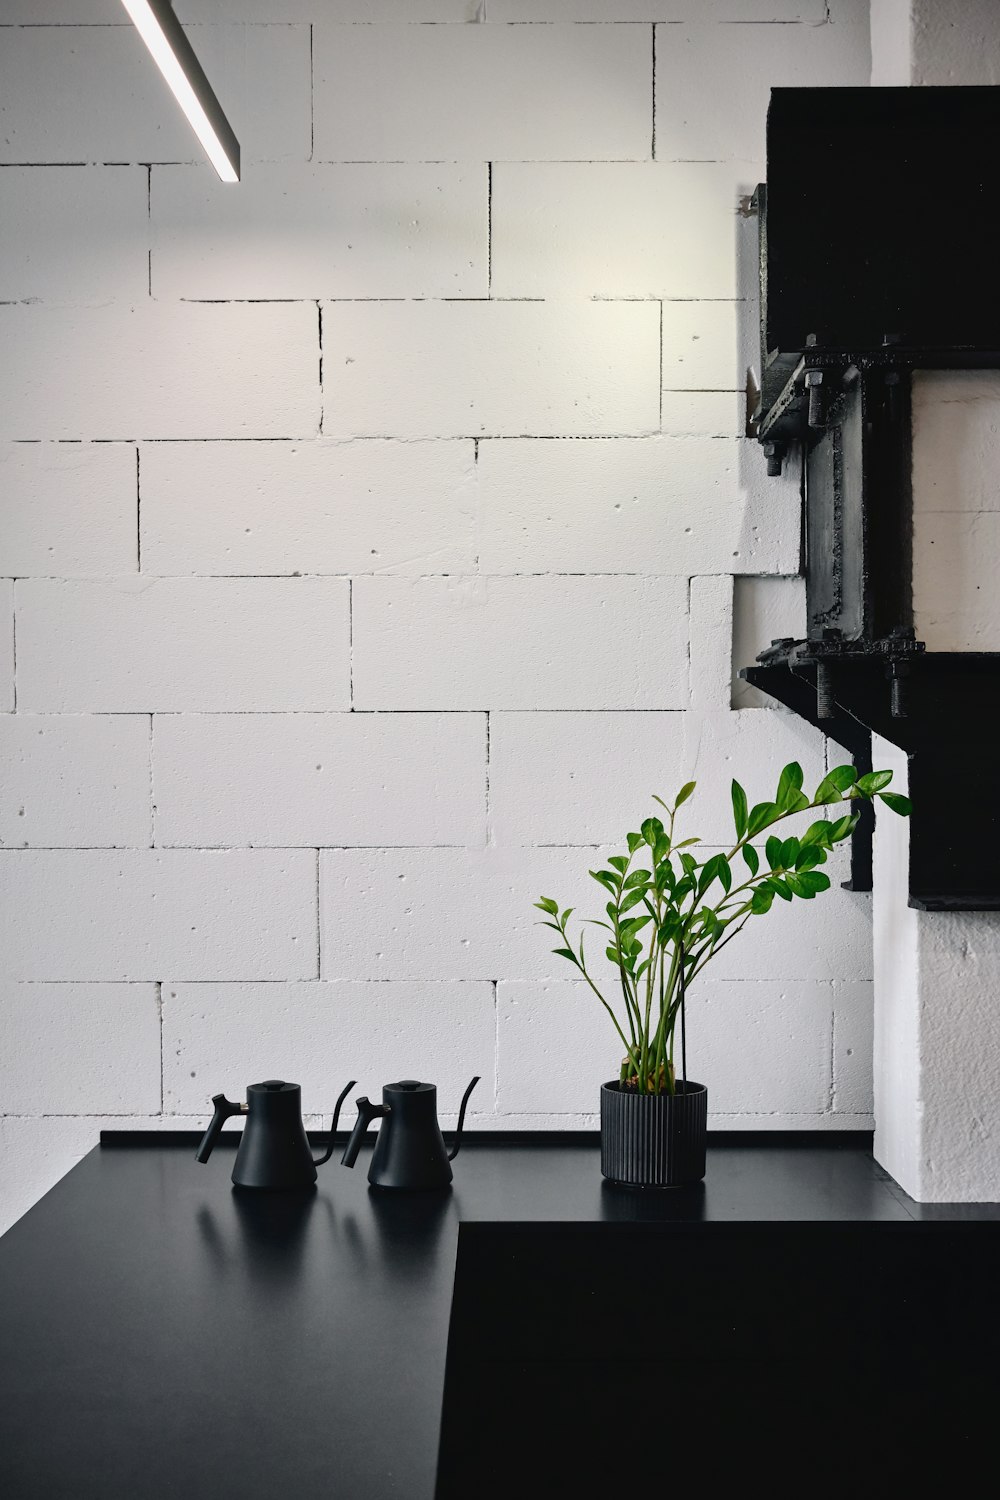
x,y
654,1140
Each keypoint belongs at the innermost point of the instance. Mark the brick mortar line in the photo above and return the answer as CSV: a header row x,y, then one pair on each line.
x,y
159,1013
319,916
341,979
652,149
152,788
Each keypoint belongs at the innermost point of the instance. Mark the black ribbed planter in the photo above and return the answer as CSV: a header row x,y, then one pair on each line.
x,y
654,1140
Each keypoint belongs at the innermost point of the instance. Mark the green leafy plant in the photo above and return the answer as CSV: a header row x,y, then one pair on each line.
x,y
670,914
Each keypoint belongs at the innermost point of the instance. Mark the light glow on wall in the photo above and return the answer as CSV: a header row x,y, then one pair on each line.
x,y
174,56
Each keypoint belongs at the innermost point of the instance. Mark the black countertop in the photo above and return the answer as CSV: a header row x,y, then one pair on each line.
x,y
164,1336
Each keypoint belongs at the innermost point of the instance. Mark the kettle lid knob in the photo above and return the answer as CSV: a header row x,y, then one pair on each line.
x,y
274,1085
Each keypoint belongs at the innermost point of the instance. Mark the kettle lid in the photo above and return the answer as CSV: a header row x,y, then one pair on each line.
x,y
411,1086
273,1086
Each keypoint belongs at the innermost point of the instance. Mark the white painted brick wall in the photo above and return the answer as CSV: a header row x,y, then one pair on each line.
x,y
480,93
391,230
96,1049
468,914
6,645
319,507
813,11
647,505
159,371
68,509
701,347
89,94
220,1036
138,914
703,413
75,782
539,642
587,778
368,539
713,652
103,210
133,645
615,229
443,369
312,779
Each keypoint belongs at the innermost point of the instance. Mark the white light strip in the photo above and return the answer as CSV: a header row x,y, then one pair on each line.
x,y
163,55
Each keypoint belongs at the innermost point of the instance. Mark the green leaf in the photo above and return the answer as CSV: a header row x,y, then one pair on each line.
x,y
843,827
711,870
797,801
620,863
739,809
789,782
652,829
798,887
664,876
819,833
874,782
690,863
684,793
760,816
637,877
660,801
772,850
547,904
605,878
661,849
567,914
813,881
752,858
566,953
630,927
761,903
780,887
789,853
835,783
684,843
634,840
898,804
811,855
632,899
614,956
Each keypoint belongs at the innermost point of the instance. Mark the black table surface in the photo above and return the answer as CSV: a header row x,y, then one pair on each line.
x,y
163,1335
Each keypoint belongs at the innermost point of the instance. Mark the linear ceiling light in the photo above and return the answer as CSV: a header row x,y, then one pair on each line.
x,y
174,56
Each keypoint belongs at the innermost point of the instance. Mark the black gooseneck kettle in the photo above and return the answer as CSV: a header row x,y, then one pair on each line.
x,y
410,1153
274,1152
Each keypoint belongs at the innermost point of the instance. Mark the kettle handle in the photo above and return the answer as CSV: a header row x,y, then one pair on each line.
x,y
461,1120
319,1160
224,1108
367,1112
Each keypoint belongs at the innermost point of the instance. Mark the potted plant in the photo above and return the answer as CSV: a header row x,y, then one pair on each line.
x,y
669,914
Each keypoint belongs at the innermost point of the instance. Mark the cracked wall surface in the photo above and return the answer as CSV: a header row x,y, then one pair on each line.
x,y
368,540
